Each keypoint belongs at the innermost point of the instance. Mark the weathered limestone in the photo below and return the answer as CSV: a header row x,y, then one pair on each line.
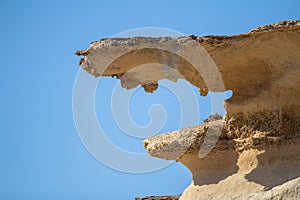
x,y
257,155
259,171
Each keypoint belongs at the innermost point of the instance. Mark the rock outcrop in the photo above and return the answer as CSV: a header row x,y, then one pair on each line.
x,y
159,198
254,151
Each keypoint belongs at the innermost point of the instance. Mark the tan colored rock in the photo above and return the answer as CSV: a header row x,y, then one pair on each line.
x,y
260,67
256,155
260,172
159,198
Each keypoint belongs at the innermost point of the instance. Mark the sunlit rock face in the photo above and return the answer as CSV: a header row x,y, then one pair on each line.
x,y
254,151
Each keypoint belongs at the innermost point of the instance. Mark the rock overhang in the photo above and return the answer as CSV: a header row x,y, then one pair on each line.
x,y
261,67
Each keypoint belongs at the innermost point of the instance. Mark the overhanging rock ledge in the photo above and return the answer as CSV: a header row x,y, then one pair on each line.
x,y
257,155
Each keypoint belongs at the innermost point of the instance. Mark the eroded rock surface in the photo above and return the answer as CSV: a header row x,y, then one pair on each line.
x,y
256,154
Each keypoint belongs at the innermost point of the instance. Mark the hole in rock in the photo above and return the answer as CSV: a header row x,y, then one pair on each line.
x,y
228,94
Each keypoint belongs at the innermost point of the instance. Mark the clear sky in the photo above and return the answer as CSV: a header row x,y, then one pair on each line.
x,y
41,154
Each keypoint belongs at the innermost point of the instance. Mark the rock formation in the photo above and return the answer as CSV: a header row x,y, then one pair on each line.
x,y
257,149
159,198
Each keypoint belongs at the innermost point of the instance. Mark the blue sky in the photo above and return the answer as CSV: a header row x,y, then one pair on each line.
x,y
41,154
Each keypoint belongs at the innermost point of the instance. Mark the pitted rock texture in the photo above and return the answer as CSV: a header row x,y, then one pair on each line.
x,y
255,147
258,167
260,67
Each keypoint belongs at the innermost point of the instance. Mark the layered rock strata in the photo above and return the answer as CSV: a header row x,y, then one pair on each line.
x,y
251,153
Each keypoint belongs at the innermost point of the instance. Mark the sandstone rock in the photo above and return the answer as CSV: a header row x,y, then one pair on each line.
x,y
251,153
